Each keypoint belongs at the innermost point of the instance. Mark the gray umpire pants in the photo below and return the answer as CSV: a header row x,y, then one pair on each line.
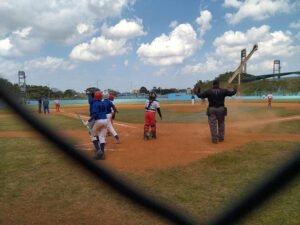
x,y
216,121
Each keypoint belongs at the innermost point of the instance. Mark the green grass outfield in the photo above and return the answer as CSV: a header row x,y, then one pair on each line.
x,y
55,121
41,186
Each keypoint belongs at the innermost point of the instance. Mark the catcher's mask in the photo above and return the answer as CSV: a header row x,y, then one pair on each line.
x,y
98,95
152,96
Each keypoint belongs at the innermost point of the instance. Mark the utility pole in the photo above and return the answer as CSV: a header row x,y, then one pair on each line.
x,y
98,84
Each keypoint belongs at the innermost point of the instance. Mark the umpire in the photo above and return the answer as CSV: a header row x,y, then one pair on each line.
x,y
216,110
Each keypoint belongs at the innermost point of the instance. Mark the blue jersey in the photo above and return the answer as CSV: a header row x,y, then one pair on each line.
x,y
91,102
99,110
110,105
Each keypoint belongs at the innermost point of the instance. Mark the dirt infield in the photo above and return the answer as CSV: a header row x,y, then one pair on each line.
x,y
176,144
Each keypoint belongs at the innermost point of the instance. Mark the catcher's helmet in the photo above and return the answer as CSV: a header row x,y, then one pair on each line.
x,y
98,95
111,97
152,95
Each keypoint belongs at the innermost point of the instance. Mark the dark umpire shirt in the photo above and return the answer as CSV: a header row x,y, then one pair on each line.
x,y
216,96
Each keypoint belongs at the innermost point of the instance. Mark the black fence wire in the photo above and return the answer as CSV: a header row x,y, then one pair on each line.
x,y
262,192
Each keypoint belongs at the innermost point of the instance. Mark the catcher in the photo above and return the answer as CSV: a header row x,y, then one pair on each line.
x,y
151,106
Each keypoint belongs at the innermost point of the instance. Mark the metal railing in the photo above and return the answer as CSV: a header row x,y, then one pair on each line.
x,y
281,177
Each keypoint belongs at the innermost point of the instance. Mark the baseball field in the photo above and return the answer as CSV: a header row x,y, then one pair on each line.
x,y
182,167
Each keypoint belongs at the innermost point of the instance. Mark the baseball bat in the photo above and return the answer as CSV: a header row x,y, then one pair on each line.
x,y
87,126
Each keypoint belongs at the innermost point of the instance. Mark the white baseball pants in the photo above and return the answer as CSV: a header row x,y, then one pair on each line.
x,y
109,125
99,128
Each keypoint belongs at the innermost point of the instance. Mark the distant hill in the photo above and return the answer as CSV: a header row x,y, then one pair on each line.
x,y
287,86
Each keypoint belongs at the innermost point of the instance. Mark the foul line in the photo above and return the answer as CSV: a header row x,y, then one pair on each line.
x,y
119,124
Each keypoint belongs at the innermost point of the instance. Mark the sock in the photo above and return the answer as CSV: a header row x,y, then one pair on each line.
x,y
102,147
96,145
117,137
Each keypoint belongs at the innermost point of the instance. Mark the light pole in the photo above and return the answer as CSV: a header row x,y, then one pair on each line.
x,y
97,83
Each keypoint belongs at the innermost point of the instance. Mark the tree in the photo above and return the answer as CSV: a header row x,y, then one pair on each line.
x,y
11,87
70,93
144,90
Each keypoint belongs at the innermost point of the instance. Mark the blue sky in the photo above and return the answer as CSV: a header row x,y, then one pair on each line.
x,y
126,44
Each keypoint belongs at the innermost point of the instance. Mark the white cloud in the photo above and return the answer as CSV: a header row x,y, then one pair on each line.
x,y
19,43
270,44
173,49
173,24
126,63
255,9
298,35
5,45
63,22
204,22
295,25
24,32
49,63
264,65
232,3
124,29
210,66
9,68
98,49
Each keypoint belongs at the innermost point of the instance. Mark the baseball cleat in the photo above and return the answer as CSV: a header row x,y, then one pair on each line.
x,y
117,141
215,141
98,155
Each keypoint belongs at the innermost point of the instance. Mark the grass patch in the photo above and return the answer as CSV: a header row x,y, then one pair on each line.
x,y
58,122
257,113
208,186
42,186
290,127
38,184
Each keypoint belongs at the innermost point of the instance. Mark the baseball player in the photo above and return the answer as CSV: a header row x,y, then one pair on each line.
x,y
57,105
99,116
46,105
110,110
193,99
270,98
91,100
151,106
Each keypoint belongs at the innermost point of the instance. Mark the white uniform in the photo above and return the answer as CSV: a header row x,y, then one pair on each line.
x,y
154,105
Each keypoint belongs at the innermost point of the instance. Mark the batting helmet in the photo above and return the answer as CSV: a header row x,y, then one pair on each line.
x,y
111,97
98,95
152,95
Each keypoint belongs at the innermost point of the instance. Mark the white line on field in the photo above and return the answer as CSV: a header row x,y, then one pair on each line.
x,y
123,125
119,124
